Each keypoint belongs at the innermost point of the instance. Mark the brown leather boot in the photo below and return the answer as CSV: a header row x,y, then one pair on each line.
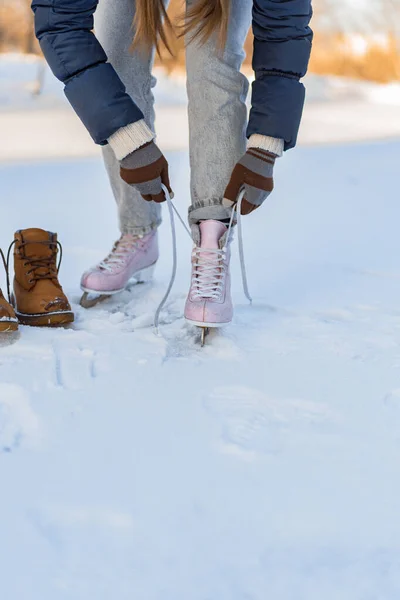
x,y
38,296
8,319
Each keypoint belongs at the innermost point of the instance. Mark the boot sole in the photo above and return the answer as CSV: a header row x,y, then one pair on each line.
x,y
8,326
55,319
208,325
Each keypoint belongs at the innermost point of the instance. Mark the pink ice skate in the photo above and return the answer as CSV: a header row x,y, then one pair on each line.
x,y
132,258
209,302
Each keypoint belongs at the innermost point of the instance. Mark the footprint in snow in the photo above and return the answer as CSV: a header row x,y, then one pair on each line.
x,y
75,366
252,423
19,425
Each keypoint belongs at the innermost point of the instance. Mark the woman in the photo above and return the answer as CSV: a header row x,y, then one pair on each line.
x,y
115,102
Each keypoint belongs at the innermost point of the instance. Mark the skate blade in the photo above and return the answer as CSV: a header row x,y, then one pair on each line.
x,y
205,331
90,300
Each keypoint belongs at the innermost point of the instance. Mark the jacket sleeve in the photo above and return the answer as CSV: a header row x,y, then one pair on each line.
x,y
282,47
98,96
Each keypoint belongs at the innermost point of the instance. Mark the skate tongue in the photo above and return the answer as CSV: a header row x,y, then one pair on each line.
x,y
210,234
33,238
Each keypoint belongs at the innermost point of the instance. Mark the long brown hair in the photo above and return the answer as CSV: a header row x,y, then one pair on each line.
x,y
152,25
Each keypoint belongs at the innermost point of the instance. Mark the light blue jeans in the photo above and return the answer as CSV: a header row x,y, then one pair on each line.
x,y
217,92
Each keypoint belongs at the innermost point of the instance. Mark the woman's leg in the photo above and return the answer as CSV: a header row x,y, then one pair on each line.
x,y
217,94
217,117
114,30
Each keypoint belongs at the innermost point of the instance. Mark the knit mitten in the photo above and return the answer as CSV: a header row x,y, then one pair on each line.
x,y
254,173
146,169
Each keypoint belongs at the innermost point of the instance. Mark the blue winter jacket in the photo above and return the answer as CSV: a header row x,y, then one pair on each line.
x,y
282,46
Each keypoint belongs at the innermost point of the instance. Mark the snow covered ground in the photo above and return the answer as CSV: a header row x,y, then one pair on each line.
x,y
262,466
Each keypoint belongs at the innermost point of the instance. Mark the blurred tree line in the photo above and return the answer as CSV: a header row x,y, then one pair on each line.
x,y
354,42
16,27
334,50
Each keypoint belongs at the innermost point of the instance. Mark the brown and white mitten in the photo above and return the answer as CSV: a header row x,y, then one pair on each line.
x,y
146,169
254,174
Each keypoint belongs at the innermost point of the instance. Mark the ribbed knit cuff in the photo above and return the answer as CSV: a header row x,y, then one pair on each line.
x,y
265,142
128,139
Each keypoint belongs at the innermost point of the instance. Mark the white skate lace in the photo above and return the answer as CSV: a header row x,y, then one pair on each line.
x,y
118,254
237,211
208,273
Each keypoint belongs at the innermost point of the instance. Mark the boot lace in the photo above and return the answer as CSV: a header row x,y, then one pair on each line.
x,y
202,287
46,265
3,258
118,254
208,273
